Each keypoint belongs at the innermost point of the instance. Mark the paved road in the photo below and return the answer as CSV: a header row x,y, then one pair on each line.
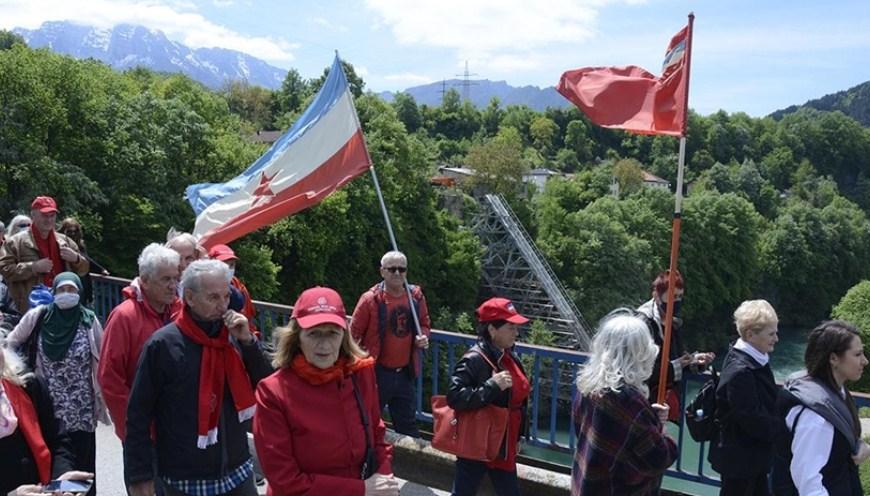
x,y
110,473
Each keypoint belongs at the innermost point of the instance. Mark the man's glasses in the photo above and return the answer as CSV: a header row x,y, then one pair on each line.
x,y
23,225
400,270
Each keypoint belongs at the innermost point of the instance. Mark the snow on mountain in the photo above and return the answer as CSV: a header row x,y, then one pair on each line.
x,y
126,46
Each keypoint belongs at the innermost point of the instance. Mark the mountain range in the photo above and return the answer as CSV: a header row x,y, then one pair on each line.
x,y
481,91
126,46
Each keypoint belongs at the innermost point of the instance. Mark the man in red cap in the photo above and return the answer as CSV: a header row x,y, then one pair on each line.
x,y
226,255
36,255
383,324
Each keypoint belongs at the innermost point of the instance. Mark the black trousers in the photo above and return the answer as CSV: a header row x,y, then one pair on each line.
x,y
752,486
84,447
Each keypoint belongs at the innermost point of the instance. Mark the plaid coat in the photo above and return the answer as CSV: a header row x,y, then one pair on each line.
x,y
621,448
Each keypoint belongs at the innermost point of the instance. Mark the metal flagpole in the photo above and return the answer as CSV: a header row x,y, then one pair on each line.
x,y
417,330
675,236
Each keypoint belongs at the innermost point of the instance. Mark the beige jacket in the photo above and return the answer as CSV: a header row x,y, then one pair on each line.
x,y
16,265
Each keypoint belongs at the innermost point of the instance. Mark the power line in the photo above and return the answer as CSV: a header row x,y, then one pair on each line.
x,y
466,83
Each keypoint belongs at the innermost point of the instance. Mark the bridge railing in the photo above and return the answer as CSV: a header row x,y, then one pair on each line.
x,y
552,372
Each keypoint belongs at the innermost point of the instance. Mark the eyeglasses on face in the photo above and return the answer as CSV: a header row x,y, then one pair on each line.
x,y
23,225
400,270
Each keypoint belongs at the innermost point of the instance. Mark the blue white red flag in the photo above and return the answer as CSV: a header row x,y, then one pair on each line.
x,y
324,150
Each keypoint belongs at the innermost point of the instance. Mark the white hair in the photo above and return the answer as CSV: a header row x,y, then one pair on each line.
x,y
154,257
192,277
623,354
14,368
394,255
13,224
175,239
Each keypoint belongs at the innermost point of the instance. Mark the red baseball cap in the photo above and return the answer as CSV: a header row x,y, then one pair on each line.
x,y
222,253
45,204
499,309
319,305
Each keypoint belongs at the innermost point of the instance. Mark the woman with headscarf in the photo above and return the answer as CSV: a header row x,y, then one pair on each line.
x,y
61,343
33,445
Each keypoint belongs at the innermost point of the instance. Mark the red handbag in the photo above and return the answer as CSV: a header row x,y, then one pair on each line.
x,y
473,434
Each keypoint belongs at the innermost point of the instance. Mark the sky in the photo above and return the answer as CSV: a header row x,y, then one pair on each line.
x,y
748,56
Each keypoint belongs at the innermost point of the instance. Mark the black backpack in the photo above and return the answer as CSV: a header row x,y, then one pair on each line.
x,y
701,411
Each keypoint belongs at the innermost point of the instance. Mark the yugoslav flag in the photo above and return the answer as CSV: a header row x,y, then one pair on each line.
x,y
324,150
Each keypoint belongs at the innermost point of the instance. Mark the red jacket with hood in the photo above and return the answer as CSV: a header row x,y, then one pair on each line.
x,y
128,327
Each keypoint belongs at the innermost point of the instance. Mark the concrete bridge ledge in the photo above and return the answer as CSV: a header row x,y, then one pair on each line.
x,y
416,460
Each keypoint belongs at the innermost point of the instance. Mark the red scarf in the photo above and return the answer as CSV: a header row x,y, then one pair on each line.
x,y
28,423
315,376
220,362
48,248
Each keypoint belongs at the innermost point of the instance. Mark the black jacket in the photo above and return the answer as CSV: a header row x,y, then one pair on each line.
x,y
17,466
165,391
471,386
746,410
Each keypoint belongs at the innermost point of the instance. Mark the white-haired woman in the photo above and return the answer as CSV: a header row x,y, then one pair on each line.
x,y
622,447
34,447
18,223
746,404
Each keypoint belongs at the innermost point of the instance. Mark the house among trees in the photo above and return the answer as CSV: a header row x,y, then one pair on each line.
x,y
654,181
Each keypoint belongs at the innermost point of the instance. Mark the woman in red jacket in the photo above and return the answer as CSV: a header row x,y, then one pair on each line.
x,y
318,427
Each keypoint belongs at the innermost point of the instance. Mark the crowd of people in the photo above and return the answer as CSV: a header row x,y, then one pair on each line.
x,y
181,371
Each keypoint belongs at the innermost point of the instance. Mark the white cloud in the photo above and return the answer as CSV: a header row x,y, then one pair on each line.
x,y
408,78
188,27
324,23
478,29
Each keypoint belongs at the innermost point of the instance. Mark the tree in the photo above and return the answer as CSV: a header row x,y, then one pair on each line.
x,y
407,111
854,308
629,176
498,164
8,38
543,132
252,103
577,139
294,91
491,117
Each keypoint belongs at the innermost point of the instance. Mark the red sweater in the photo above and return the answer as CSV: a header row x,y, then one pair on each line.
x,y
310,438
128,327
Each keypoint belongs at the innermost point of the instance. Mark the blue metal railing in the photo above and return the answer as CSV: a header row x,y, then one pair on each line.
x,y
552,372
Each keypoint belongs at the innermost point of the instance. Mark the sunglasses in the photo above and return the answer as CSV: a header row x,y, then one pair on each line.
x,y
22,225
400,270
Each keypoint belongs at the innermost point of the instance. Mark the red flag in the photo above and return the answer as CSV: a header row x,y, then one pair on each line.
x,y
631,98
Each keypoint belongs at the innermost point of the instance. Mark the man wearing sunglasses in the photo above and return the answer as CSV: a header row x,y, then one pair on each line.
x,y
384,325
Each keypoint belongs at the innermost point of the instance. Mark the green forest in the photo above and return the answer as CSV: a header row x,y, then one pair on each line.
x,y
776,209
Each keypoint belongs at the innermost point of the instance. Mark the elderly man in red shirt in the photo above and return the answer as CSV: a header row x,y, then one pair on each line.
x,y
382,323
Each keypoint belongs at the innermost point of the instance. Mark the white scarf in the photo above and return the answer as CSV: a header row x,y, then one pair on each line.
x,y
8,420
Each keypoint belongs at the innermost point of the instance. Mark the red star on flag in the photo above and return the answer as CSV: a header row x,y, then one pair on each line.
x,y
264,190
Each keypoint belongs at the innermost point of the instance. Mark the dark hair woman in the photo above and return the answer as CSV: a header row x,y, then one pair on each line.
x,y
821,416
73,230
491,374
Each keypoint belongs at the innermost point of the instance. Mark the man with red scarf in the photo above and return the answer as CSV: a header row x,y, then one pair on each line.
x,y
195,384
34,256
